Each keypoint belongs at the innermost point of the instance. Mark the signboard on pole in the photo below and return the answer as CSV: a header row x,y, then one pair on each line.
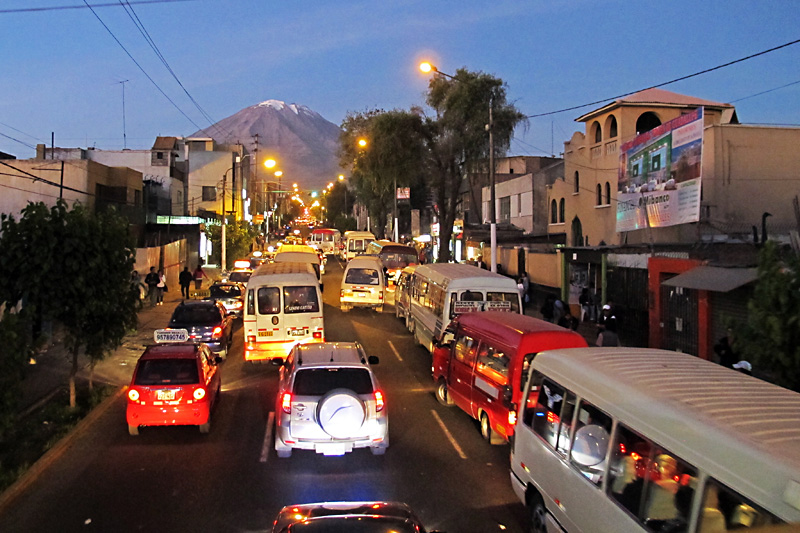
x,y
659,175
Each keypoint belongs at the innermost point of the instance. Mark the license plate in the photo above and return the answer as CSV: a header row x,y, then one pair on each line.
x,y
333,448
298,332
165,395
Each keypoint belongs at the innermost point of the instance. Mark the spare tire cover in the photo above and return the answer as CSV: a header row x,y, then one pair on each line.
x,y
341,413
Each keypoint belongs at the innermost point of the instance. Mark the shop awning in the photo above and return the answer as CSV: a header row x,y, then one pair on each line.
x,y
709,278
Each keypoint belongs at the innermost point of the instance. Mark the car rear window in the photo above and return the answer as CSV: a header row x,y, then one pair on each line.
x,y
300,299
224,291
198,316
319,381
362,276
241,277
167,372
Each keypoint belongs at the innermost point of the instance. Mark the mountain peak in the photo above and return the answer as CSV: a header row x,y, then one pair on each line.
x,y
280,105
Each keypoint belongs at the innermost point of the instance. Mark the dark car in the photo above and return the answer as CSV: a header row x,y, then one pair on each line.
x,y
207,321
230,295
353,517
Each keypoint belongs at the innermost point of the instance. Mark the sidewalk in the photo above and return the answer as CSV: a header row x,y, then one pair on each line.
x,y
51,371
587,329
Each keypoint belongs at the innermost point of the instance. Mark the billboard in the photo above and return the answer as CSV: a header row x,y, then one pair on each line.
x,y
659,175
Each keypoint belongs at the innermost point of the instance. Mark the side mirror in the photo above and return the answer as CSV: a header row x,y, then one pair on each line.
x,y
373,360
218,359
278,361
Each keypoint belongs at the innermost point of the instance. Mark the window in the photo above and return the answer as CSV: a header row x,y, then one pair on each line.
x,y
300,299
561,208
269,301
590,445
209,194
159,155
577,182
464,350
553,212
599,195
723,507
319,381
598,133
551,416
512,297
608,193
493,364
362,276
505,209
612,126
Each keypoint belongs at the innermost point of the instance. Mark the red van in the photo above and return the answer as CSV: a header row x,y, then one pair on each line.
x,y
481,363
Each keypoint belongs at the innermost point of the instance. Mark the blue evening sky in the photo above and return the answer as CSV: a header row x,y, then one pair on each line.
x,y
61,68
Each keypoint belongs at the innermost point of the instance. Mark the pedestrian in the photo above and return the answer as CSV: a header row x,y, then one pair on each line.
x,y
526,287
547,308
726,355
139,288
198,277
152,281
587,305
185,280
568,321
608,334
559,309
161,287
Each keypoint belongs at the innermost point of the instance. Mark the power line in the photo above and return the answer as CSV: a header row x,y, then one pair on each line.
x,y
765,92
17,140
61,8
669,82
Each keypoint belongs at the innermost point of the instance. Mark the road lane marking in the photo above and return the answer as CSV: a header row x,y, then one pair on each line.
x,y
267,439
395,351
449,435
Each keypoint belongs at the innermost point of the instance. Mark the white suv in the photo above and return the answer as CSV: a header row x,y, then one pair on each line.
x,y
329,401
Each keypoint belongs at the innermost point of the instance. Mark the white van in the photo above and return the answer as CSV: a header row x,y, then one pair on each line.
x,y
283,308
363,284
355,243
300,253
643,440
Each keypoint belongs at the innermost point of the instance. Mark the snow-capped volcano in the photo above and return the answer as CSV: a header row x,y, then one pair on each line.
x,y
302,142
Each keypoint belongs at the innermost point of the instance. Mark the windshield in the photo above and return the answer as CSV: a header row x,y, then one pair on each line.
x,y
301,299
362,276
199,316
224,291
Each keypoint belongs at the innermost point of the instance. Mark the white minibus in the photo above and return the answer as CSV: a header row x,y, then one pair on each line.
x,y
283,307
355,243
441,291
300,253
363,284
637,439
325,240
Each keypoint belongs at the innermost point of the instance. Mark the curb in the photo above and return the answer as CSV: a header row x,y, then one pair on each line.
x,y
54,453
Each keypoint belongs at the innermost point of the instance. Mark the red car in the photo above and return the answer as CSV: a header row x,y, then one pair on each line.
x,y
175,384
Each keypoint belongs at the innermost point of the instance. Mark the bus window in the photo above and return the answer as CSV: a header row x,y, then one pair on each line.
x,y
592,436
512,297
493,364
547,416
269,300
464,349
723,506
300,300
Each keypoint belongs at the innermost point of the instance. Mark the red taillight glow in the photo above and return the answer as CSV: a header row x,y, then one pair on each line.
x,y
317,334
635,456
217,332
133,395
552,418
286,402
512,418
199,393
379,403
251,339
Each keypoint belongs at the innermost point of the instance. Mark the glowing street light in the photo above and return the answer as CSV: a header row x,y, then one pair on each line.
x,y
270,163
362,143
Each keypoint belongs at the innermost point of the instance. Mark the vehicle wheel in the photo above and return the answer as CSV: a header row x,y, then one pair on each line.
x,y
284,454
379,309
205,428
487,432
341,413
345,309
396,311
378,450
442,395
538,516
133,430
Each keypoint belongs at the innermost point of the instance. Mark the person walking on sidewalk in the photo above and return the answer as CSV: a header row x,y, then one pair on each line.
x,y
152,280
161,286
198,277
185,280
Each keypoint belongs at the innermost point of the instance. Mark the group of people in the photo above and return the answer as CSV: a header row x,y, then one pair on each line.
x,y
155,283
556,311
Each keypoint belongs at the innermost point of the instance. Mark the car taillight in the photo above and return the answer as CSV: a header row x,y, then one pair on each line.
x,y
133,395
199,393
251,339
379,403
217,332
512,418
286,402
237,304
380,295
317,334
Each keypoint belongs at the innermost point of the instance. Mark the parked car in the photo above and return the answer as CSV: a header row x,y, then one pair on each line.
x,y
206,321
230,295
174,383
367,517
329,401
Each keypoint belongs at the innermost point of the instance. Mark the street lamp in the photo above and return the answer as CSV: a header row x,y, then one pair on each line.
x,y
223,263
428,67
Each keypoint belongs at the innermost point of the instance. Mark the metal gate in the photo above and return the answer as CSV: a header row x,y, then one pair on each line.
x,y
679,319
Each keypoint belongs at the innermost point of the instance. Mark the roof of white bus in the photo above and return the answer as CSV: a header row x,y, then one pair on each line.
x,y
460,276
280,272
358,234
732,425
324,231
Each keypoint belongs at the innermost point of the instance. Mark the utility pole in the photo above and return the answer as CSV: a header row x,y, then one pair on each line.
x,y
256,185
124,133
492,207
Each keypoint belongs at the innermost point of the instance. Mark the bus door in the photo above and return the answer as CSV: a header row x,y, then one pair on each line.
x,y
462,359
490,391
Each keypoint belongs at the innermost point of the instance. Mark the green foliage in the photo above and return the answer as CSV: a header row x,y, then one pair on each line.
x,y
15,348
239,236
770,338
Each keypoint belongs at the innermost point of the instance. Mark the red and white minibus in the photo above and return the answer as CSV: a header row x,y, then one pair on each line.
x,y
481,363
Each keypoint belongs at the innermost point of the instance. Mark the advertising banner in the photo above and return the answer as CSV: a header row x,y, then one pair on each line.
x,y
659,175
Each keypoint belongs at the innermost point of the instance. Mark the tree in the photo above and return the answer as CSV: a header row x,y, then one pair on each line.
x,y
239,237
74,267
15,348
770,337
459,139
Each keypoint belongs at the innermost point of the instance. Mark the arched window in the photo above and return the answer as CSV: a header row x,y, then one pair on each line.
x,y
577,182
612,126
599,195
553,212
561,208
577,232
646,122
598,132
608,193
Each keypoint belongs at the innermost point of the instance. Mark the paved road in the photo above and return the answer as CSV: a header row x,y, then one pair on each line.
x,y
175,479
